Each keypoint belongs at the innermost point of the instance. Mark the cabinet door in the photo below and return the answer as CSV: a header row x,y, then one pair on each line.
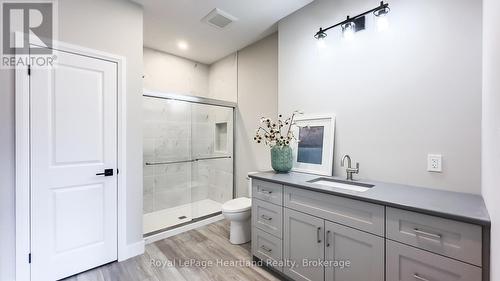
x,y
405,263
351,254
303,246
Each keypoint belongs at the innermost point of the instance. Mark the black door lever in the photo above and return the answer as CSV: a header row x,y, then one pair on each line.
x,y
107,173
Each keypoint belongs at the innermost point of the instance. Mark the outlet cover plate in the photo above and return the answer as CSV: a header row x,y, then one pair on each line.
x,y
435,163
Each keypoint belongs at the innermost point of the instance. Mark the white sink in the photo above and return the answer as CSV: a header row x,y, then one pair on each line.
x,y
353,186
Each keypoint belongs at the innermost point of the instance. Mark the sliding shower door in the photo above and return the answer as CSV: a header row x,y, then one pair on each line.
x,y
212,149
188,161
167,163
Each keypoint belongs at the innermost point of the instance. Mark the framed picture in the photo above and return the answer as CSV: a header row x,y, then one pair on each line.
x,y
313,153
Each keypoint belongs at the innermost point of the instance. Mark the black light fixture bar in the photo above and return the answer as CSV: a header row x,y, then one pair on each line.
x,y
349,19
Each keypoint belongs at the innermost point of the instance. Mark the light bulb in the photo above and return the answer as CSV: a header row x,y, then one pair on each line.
x,y
320,36
348,30
321,43
382,23
381,17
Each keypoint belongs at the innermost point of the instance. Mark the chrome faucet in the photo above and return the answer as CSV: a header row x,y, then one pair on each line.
x,y
349,170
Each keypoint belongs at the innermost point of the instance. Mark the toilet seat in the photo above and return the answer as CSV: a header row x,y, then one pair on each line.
x,y
237,205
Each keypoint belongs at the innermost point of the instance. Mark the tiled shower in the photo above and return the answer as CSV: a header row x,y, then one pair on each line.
x,y
188,161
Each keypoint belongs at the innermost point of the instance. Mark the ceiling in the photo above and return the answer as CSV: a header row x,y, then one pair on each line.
x,y
175,26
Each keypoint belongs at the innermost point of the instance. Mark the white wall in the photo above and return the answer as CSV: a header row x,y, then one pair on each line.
x,y
168,73
164,72
113,26
491,126
7,145
398,95
257,97
223,79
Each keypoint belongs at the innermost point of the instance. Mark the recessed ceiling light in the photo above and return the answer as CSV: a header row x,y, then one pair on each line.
x,y
183,45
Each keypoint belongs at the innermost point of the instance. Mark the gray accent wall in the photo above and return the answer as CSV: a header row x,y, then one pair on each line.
x,y
397,95
257,97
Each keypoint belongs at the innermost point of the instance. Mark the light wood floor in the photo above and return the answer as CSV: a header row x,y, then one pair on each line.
x,y
206,244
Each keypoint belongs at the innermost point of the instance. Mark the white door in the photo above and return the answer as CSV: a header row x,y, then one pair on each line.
x,y
73,138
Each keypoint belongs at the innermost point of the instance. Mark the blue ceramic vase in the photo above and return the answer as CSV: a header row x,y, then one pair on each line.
x,y
281,158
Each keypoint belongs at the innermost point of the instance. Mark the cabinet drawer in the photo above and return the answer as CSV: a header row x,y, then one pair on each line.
x,y
267,248
449,238
267,191
267,217
357,214
406,263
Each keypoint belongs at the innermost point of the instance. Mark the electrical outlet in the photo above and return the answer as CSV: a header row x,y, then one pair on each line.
x,y
435,163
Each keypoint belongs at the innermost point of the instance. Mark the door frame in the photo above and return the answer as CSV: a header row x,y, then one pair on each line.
x,y
22,157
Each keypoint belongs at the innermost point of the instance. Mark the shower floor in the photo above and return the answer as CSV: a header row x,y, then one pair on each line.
x,y
158,220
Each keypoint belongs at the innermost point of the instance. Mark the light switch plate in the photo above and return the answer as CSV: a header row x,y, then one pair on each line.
x,y
435,163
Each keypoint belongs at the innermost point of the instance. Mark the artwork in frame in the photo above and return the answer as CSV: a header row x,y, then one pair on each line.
x,y
313,153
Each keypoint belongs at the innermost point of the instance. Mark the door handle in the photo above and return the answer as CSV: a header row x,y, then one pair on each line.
x,y
107,173
266,217
318,235
418,277
418,231
266,249
328,238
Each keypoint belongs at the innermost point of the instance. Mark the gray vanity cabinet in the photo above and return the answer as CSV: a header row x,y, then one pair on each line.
x,y
323,250
363,251
308,235
303,240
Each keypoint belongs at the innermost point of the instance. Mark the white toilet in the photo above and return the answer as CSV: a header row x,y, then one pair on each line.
x,y
238,213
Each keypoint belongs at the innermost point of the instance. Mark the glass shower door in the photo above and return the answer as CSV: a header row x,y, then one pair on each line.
x,y
212,149
167,163
188,161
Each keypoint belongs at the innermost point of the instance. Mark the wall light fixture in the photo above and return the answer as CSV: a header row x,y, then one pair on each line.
x,y
353,24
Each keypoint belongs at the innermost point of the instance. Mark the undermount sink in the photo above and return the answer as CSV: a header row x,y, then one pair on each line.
x,y
349,185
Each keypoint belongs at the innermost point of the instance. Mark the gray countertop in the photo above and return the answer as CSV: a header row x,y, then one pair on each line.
x,y
453,205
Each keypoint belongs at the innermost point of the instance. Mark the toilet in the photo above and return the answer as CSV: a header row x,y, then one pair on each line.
x,y
238,213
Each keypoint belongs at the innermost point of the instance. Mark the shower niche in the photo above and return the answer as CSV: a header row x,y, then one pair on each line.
x,y
221,137
188,159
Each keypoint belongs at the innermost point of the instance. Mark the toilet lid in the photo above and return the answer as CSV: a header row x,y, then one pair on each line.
x,y
237,205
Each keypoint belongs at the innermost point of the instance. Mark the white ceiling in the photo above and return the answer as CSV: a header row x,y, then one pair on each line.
x,y
167,22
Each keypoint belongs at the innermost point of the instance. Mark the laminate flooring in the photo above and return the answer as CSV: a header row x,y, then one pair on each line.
x,y
200,254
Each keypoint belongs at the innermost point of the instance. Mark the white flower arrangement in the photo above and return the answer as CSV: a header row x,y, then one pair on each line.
x,y
277,133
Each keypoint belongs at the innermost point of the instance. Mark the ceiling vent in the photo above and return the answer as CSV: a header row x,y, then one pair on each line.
x,y
218,18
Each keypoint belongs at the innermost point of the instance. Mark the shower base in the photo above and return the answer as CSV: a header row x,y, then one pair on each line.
x,y
166,218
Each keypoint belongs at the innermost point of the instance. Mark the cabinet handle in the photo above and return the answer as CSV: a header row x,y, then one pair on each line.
x,y
265,191
416,276
418,231
266,217
266,249
317,234
328,238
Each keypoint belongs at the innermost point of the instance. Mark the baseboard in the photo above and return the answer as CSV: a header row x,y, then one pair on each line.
x,y
131,250
168,233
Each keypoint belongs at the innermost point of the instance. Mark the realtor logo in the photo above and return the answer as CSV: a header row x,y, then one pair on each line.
x,y
35,20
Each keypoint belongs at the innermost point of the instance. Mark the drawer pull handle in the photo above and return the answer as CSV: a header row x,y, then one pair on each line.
x,y
418,231
416,276
266,249
266,191
317,234
328,238
266,217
